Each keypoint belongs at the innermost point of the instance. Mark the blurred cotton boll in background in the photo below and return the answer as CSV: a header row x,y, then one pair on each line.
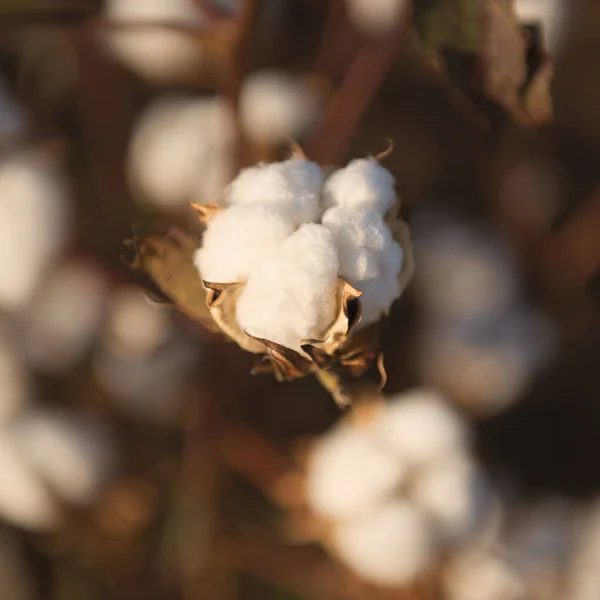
x,y
145,38
475,574
348,473
487,366
34,223
71,453
181,151
389,546
64,317
376,17
275,106
465,272
141,362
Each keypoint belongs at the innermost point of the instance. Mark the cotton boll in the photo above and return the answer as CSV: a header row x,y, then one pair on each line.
x,y
389,546
14,385
275,107
180,151
465,273
238,240
455,492
476,574
24,499
375,17
292,187
34,223
156,52
72,454
364,183
134,326
420,428
291,297
348,474
64,317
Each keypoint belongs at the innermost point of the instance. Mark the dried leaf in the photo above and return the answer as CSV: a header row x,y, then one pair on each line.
x,y
168,260
221,301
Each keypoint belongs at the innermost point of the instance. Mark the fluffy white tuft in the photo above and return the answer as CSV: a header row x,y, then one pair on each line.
x,y
292,187
456,494
348,474
370,259
291,297
421,428
363,183
275,106
389,546
238,240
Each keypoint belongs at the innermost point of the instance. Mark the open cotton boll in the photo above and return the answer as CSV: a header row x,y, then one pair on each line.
x,y
347,474
477,575
238,240
362,183
420,428
157,52
72,454
275,106
24,499
64,317
388,546
292,187
34,222
455,492
291,297
375,17
180,151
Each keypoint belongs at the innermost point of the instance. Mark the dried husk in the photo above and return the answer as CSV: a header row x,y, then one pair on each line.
x,y
221,300
168,260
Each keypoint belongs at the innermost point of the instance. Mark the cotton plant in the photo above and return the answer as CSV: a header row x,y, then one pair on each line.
x,y
393,487
297,267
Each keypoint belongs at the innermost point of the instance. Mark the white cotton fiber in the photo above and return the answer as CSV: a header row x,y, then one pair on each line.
x,y
420,427
363,183
238,240
370,259
456,494
348,473
291,296
389,546
292,187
